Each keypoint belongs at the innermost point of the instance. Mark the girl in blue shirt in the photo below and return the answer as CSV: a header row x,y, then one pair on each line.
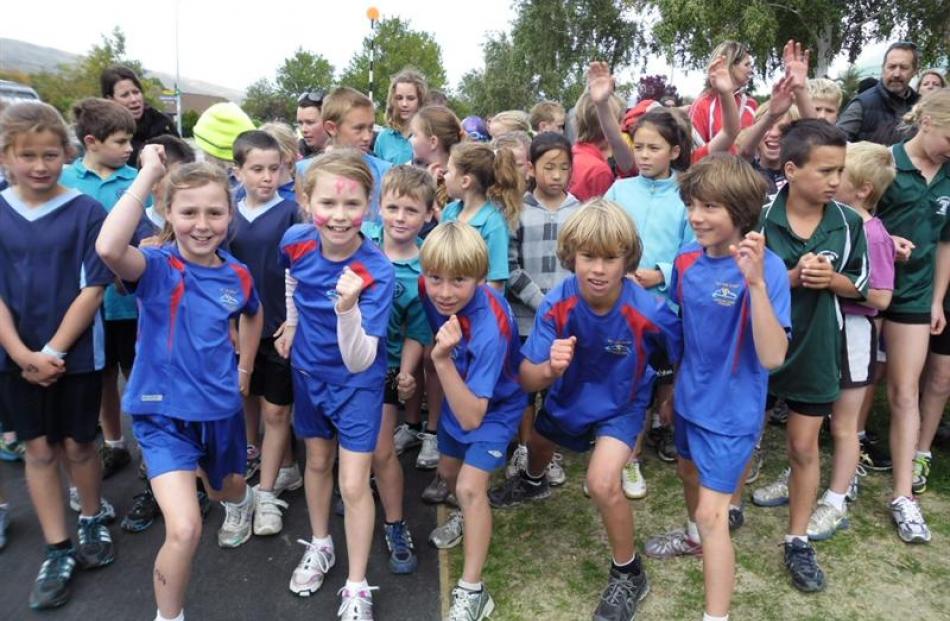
x,y
407,93
185,392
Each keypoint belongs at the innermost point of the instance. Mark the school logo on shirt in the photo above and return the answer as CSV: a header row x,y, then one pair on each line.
x,y
398,289
229,298
618,347
942,203
332,294
725,294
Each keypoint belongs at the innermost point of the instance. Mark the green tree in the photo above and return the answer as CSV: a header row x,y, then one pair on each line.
x,y
302,72
548,50
264,102
188,120
397,46
689,29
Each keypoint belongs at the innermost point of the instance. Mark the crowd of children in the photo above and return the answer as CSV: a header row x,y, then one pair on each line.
x,y
669,274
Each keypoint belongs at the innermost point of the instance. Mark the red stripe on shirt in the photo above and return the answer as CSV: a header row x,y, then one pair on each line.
x,y
175,302
639,326
682,263
504,324
298,250
560,312
247,282
360,270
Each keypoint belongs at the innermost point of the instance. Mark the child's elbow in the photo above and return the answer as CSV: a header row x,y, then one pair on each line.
x,y
775,359
474,420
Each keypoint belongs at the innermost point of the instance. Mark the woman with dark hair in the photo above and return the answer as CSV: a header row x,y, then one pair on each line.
x,y
122,85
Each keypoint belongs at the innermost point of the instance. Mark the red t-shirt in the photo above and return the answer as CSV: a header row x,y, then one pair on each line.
x,y
591,174
706,114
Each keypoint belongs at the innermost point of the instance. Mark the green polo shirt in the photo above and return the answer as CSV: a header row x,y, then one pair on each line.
x,y
812,367
915,210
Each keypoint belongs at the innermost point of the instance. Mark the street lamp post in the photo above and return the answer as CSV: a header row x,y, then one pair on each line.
x,y
373,14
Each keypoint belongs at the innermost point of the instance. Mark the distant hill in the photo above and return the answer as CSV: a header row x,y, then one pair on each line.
x,y
18,55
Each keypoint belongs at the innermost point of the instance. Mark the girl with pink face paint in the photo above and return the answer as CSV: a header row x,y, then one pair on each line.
x,y
339,298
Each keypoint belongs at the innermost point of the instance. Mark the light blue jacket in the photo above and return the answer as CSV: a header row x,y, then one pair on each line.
x,y
660,215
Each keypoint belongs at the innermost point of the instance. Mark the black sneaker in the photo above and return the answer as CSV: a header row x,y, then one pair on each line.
x,y
736,518
204,504
95,547
51,588
517,490
803,566
874,456
623,595
665,446
142,513
113,459
778,415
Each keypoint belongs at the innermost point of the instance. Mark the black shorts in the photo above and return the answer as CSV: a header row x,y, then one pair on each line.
x,y
939,343
908,318
6,416
120,344
272,379
390,393
67,409
800,407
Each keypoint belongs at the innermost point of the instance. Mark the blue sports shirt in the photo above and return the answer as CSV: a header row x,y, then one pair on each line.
x,y
316,349
610,374
721,385
491,225
185,364
487,359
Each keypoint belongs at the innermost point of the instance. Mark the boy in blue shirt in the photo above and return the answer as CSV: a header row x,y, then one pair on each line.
x,y
476,358
734,305
105,129
593,336
408,198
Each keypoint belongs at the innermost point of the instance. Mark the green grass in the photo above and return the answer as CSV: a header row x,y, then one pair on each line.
x,y
549,560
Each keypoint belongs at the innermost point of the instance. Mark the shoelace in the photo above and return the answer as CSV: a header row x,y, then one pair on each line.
x,y
58,564
354,605
618,591
860,471
92,530
232,514
400,538
803,558
315,555
910,512
460,598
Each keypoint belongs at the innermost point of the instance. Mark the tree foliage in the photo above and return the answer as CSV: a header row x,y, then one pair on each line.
x,y
548,50
688,30
397,46
276,100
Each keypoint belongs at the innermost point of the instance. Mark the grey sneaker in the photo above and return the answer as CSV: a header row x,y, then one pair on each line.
x,y
437,492
106,510
51,587
622,597
288,479
911,526
268,513
518,461
825,521
312,569
470,605
356,605
673,543
428,457
449,534
774,494
854,487
516,490
755,468
238,522
405,438
555,472
803,567
95,548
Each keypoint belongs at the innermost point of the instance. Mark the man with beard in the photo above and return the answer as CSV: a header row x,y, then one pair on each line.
x,y
875,114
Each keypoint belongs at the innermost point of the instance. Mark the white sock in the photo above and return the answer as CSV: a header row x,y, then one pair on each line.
x,y
926,454
692,531
709,617
862,434
733,507
834,499
120,443
791,538
470,586
180,617
355,587
325,542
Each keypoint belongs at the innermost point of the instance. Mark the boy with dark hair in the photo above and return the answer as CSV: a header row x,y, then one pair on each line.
x,y
733,298
105,129
823,246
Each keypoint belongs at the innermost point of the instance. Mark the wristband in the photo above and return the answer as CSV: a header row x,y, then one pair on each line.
x,y
49,351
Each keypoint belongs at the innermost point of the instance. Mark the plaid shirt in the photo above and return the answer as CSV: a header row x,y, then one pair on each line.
x,y
533,266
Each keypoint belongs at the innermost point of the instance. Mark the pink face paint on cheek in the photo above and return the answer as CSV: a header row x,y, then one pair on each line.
x,y
358,221
320,221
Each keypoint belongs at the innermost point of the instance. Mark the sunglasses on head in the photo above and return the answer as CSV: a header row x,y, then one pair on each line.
x,y
314,97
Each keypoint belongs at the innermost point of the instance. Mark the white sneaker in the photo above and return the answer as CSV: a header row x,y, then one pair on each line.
x,y
238,522
911,525
405,438
634,485
268,515
105,507
555,472
428,457
312,568
357,605
288,479
518,461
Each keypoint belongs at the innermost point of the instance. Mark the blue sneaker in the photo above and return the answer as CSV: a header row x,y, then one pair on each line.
x,y
11,451
402,555
51,588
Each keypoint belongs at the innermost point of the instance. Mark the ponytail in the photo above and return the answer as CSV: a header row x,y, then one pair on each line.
x,y
496,174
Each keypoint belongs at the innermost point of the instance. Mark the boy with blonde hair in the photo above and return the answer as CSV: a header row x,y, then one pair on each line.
x,y
547,116
825,98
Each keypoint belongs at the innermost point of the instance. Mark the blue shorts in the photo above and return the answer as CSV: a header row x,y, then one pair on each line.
x,y
168,444
720,459
324,411
625,427
487,456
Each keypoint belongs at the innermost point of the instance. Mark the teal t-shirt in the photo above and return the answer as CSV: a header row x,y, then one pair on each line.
x,y
491,225
393,147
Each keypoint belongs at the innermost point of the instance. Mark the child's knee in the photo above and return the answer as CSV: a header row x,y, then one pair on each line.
x,y
184,532
685,471
276,417
79,453
802,451
353,487
602,487
320,465
711,519
384,456
469,493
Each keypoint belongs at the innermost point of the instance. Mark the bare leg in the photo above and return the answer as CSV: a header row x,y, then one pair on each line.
x,y
934,398
86,472
386,467
804,459
175,493
276,436
318,484
844,429
719,558
45,486
471,489
360,510
110,408
603,481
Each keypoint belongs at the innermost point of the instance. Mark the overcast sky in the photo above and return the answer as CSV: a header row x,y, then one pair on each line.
x,y
236,42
